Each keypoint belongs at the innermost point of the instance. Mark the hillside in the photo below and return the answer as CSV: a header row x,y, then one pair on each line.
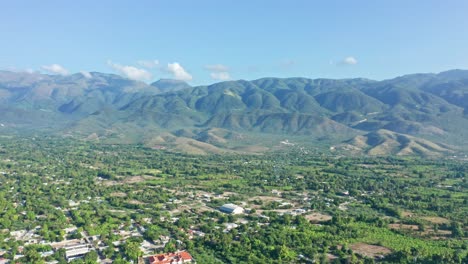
x,y
429,111
383,142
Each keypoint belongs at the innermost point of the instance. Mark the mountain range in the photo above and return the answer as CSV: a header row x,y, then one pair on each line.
x,y
416,114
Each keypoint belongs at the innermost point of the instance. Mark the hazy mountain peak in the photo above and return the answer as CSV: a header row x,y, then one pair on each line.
x,y
454,74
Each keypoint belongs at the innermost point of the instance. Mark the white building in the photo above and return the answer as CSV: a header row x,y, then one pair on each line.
x,y
231,209
76,251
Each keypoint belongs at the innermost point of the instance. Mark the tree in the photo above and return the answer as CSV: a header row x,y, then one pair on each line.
x,y
183,222
456,229
32,256
120,261
91,257
77,261
170,246
59,255
286,255
132,250
109,251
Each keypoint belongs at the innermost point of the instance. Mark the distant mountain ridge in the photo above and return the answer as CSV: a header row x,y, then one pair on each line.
x,y
427,109
170,85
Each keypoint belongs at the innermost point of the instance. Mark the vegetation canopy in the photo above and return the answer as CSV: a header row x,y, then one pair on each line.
x,y
128,201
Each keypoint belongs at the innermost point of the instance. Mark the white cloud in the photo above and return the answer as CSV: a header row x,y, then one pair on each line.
x,y
287,64
86,74
131,72
217,68
56,69
178,72
218,72
350,61
222,76
149,64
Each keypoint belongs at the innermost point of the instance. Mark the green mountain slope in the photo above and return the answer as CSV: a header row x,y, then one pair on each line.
x,y
426,110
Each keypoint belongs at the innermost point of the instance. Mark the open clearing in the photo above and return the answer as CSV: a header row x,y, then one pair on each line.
x,y
436,219
370,251
403,226
118,194
127,180
318,217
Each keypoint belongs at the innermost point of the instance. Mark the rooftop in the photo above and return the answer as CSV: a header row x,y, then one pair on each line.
x,y
230,206
168,258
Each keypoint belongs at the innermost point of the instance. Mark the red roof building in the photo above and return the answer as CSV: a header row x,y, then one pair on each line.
x,y
180,257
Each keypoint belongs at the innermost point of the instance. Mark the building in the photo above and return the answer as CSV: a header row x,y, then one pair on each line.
x,y
171,258
231,209
76,251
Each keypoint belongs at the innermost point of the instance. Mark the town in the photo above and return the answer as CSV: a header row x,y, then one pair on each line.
x,y
79,244
73,202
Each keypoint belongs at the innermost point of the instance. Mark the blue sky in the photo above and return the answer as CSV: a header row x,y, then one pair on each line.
x,y
207,41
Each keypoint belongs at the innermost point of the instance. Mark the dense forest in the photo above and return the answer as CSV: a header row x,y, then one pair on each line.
x,y
301,206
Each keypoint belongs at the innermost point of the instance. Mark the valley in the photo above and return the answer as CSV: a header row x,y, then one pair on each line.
x,y
65,200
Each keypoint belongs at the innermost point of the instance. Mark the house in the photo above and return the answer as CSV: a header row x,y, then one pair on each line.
x,y
171,258
76,251
231,209
299,211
